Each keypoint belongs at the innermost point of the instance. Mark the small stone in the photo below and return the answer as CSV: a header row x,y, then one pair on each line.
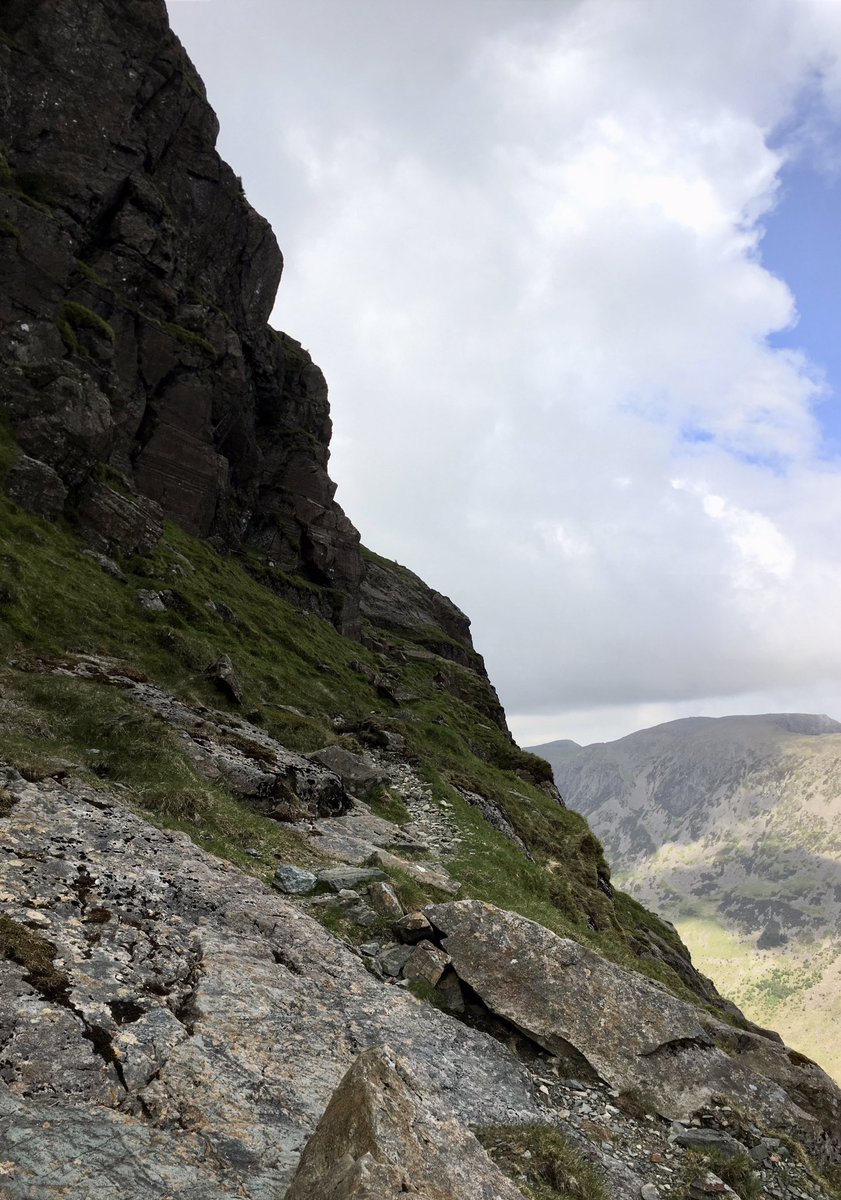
x,y
107,564
649,1192
412,928
369,949
295,881
393,959
656,1157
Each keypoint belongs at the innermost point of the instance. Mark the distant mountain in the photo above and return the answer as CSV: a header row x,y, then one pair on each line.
x,y
731,828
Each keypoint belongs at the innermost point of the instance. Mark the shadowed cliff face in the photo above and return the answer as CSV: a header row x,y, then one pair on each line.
x,y
137,284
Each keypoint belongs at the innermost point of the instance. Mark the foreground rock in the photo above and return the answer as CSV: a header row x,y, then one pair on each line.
x,y
633,1033
382,1138
174,1027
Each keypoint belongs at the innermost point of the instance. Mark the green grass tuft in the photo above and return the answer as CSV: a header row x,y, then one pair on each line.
x,y
542,1163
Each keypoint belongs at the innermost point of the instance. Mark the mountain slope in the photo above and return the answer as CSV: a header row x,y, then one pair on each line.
x,y
247,766
731,828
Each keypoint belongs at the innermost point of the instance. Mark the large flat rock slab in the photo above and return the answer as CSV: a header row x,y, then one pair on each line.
x,y
633,1032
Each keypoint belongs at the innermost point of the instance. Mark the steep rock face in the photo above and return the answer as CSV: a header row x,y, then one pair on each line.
x,y
137,283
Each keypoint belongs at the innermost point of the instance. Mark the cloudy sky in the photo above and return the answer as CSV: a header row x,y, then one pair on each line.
x,y
573,272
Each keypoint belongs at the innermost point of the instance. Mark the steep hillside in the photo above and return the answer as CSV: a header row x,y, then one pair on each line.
x,y
284,911
731,828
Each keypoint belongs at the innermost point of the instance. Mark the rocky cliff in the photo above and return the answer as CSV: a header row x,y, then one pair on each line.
x,y
283,909
731,827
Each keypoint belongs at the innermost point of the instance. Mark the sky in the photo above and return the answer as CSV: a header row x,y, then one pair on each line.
x,y
571,269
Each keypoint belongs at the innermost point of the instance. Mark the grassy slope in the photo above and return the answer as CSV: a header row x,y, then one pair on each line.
x,y
56,601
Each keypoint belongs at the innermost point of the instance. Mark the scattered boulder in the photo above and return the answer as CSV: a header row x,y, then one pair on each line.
x,y
412,928
36,487
709,1139
295,881
223,675
426,962
349,877
107,564
381,1137
357,773
150,601
384,899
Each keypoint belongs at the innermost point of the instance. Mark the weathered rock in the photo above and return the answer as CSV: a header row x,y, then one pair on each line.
x,y
383,898
36,487
107,564
392,959
223,675
295,881
426,962
709,1139
126,358
223,1018
358,774
432,875
632,1031
150,601
414,927
118,523
349,877
709,1185
381,1137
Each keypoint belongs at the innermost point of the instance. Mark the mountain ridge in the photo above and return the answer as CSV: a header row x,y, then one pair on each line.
x,y
727,826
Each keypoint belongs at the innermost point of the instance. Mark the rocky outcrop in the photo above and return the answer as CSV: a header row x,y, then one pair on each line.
x,y
170,1024
381,1138
630,1030
137,283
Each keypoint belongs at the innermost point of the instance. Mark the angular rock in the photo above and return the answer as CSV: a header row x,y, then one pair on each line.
x,y
358,774
710,1187
632,1032
349,877
383,898
36,487
392,959
223,675
414,927
381,1137
295,881
426,962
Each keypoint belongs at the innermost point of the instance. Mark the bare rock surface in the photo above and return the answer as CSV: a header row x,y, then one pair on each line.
x,y
193,1023
381,1137
632,1032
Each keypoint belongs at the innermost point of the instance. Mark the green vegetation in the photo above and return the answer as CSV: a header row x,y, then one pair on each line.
x,y
542,1163
74,317
35,954
734,1170
298,675
186,337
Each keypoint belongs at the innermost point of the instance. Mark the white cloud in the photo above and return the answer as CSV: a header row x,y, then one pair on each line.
x,y
525,245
